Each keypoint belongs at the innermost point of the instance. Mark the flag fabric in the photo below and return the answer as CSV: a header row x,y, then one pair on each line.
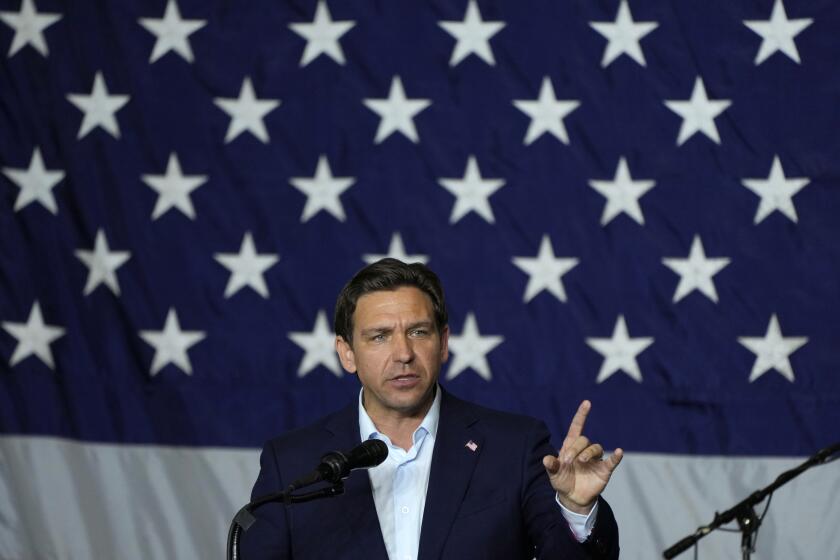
x,y
635,202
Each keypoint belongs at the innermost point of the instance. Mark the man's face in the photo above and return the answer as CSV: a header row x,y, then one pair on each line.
x,y
397,351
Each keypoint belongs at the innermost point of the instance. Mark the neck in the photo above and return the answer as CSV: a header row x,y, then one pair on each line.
x,y
399,426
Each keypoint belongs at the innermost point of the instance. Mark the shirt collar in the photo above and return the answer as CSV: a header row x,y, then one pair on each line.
x,y
429,425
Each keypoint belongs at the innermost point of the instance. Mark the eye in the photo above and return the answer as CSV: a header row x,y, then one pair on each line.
x,y
378,337
420,332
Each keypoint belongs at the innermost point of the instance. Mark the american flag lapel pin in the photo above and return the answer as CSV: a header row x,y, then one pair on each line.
x,y
471,445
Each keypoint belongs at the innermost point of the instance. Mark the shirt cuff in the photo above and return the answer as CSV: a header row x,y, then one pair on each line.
x,y
581,525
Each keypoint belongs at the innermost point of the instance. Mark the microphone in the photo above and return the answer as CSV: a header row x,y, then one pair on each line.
x,y
335,466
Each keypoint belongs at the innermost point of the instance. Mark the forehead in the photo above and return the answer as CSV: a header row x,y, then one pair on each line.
x,y
405,302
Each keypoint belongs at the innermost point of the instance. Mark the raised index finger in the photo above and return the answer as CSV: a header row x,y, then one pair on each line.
x,y
576,427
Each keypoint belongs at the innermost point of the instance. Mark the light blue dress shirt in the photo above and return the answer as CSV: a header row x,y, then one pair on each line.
x,y
399,486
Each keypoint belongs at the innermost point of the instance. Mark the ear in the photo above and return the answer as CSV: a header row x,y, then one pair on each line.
x,y
345,354
444,344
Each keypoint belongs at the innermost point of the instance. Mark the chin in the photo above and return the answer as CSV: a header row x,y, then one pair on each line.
x,y
412,404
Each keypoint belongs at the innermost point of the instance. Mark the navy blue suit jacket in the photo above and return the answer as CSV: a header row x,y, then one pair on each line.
x,y
494,502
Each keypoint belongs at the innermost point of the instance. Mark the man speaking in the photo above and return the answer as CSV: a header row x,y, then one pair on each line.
x,y
460,481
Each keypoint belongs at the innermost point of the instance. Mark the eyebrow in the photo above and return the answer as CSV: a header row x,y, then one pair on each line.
x,y
375,330
380,330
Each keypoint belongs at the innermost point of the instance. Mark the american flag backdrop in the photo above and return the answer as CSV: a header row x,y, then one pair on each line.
x,y
632,201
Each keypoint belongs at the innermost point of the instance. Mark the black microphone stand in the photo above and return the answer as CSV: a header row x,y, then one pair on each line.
x,y
334,467
244,517
743,511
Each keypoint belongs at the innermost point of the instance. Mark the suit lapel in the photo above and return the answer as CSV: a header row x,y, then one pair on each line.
x,y
457,448
358,510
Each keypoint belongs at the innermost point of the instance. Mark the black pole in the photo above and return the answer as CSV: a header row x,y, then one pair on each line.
x,y
244,518
743,511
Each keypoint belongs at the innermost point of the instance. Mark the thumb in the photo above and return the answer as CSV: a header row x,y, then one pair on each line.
x,y
551,464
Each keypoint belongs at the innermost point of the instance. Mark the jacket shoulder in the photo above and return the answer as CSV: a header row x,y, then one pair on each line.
x,y
491,417
316,432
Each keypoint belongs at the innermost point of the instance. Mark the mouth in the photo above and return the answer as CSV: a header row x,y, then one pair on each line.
x,y
405,380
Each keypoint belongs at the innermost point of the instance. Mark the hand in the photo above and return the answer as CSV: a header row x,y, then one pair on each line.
x,y
578,474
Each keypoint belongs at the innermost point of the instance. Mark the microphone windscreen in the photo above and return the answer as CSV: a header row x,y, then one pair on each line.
x,y
368,454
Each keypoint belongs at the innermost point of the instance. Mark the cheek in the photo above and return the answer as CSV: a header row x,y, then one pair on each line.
x,y
372,361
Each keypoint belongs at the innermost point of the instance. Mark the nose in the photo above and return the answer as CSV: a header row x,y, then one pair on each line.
x,y
403,351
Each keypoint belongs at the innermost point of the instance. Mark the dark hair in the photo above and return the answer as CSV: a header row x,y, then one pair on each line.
x,y
384,275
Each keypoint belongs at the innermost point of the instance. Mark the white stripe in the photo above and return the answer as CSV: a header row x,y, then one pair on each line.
x,y
659,499
65,500
61,499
